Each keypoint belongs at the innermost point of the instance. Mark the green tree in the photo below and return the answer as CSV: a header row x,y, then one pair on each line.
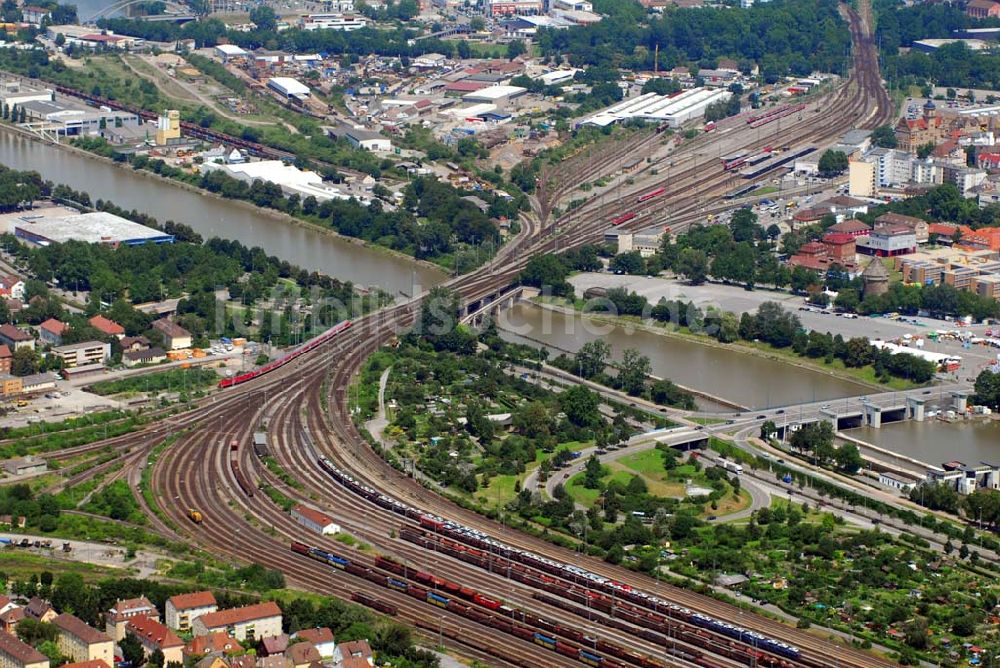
x,y
592,358
632,371
24,362
580,406
832,163
987,388
692,264
884,136
264,18
628,263
848,458
132,652
592,473
515,48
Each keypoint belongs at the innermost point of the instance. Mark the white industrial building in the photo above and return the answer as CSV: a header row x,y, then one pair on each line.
x,y
314,520
13,92
291,179
230,51
556,77
673,110
288,87
495,94
362,138
101,227
339,22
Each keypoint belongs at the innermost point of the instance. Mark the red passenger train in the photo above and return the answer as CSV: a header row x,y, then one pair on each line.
x,y
282,361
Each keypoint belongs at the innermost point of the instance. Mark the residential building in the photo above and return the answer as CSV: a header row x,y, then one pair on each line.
x,y
842,248
213,643
39,610
919,226
888,241
852,226
964,178
212,661
314,520
83,354
276,661
6,357
10,618
273,645
183,609
96,663
982,9
353,654
17,654
51,331
26,465
15,338
81,642
12,287
175,336
10,385
132,358
303,654
844,207
34,15
124,610
253,621
153,635
861,178
131,344
911,133
107,327
321,638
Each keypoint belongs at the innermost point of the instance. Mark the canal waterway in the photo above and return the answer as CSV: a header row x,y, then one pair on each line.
x,y
745,379
935,442
210,216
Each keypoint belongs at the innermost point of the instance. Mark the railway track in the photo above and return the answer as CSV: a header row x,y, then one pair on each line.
x,y
312,414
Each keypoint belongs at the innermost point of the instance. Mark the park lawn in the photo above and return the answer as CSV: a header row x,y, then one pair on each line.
x,y
500,489
579,493
648,462
656,485
729,505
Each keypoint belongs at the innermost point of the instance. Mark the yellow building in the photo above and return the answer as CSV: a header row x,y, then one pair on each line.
x,y
168,126
81,642
17,654
861,178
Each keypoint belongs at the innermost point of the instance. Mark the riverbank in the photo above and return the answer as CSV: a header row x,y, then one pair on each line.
x,y
864,377
271,214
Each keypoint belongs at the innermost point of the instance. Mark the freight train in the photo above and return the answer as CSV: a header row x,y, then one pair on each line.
x,y
478,540
282,361
655,626
503,619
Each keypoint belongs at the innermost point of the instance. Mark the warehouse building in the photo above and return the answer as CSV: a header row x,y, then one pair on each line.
x,y
674,110
96,227
314,520
72,119
289,87
14,93
495,94
291,179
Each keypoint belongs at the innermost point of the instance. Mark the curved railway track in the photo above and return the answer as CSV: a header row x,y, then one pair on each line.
x,y
195,472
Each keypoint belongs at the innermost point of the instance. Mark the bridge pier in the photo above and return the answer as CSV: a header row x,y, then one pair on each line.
x,y
915,408
873,415
831,417
959,400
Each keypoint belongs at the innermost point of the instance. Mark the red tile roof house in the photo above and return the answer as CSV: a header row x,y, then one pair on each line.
x,y
153,635
51,331
107,327
353,653
321,638
122,611
262,620
17,654
213,643
16,338
183,609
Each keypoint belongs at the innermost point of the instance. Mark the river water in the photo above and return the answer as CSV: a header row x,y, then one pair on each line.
x,y
210,216
935,442
744,379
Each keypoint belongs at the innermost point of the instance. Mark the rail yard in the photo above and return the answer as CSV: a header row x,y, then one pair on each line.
x,y
504,597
